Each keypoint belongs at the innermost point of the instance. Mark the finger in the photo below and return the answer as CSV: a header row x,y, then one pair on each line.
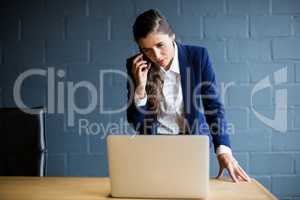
x,y
238,171
138,57
141,62
221,173
148,67
240,179
232,174
142,67
240,174
138,69
137,65
135,60
245,174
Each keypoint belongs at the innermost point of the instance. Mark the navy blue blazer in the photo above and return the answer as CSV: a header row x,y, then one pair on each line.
x,y
202,107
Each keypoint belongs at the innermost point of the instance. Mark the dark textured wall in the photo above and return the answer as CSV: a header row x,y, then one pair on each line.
x,y
76,39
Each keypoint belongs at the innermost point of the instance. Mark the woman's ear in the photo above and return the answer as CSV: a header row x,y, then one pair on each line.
x,y
173,37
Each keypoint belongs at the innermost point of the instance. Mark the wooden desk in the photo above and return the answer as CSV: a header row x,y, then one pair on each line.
x,y
31,188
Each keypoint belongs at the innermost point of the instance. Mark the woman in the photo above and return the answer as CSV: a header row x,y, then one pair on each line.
x,y
172,85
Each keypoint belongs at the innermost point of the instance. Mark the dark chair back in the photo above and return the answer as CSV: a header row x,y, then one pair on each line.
x,y
22,142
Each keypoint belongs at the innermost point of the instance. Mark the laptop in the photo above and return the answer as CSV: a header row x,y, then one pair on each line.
x,y
158,166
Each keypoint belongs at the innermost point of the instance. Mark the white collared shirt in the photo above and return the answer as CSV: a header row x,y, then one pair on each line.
x,y
171,119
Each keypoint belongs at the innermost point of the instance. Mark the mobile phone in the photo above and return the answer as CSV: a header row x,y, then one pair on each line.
x,y
146,59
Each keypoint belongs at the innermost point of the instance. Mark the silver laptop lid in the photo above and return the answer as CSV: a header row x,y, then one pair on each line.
x,y
159,166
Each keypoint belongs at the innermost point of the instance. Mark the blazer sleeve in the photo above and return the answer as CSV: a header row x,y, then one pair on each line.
x,y
214,109
135,115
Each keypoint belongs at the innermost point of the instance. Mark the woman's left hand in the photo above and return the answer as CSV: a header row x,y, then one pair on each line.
x,y
235,171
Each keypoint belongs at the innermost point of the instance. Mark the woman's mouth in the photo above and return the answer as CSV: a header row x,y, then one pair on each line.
x,y
161,62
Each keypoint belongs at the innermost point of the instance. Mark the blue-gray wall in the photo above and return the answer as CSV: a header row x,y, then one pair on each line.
x,y
247,40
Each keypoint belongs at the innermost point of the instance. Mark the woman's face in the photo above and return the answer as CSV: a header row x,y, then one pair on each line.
x,y
159,48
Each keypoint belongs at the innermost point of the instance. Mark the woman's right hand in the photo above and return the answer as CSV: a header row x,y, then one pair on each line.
x,y
140,68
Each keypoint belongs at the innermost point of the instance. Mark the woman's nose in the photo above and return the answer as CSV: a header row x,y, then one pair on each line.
x,y
157,54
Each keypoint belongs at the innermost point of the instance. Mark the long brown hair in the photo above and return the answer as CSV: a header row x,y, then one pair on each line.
x,y
148,22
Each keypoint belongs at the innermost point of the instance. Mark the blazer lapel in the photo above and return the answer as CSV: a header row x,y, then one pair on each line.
x,y
187,83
